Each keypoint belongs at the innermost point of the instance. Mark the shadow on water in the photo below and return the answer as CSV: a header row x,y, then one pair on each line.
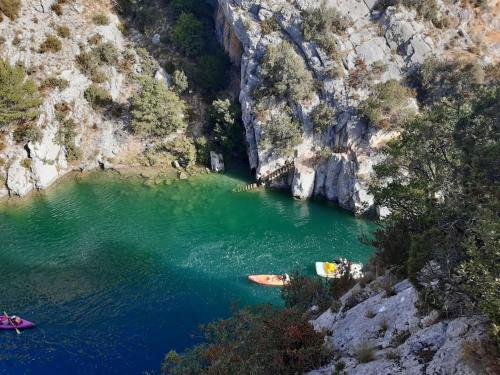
x,y
115,274
95,314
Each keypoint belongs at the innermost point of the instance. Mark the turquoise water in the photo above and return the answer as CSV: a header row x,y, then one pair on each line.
x,y
116,273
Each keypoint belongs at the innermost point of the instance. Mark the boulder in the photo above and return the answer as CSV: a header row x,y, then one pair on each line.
x,y
303,182
19,179
156,39
216,162
44,174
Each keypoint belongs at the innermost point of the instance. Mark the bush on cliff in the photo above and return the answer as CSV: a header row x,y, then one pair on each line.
x,y
323,117
440,78
156,110
260,340
97,97
212,72
321,24
10,8
389,105
281,133
187,34
440,182
284,74
19,96
226,126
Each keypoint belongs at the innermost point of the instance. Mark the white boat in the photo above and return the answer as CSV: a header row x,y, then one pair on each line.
x,y
333,270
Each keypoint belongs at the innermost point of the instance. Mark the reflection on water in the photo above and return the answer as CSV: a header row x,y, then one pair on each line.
x,y
115,273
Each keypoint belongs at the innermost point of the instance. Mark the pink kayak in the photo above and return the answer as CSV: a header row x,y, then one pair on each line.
x,y
5,324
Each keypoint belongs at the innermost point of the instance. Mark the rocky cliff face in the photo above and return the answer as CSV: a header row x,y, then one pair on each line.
x,y
100,137
375,333
396,39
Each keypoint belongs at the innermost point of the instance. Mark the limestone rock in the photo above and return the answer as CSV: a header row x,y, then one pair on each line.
x,y
303,182
392,325
19,179
216,162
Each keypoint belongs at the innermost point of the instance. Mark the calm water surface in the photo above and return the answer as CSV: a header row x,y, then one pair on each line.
x,y
115,273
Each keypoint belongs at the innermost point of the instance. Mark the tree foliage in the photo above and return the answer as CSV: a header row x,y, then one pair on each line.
x,y
261,340
389,105
156,110
282,133
188,35
323,117
226,125
19,97
321,24
440,182
284,74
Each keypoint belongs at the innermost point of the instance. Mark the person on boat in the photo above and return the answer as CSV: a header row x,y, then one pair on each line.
x,y
16,320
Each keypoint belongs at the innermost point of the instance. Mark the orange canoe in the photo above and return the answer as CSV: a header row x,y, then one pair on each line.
x,y
271,280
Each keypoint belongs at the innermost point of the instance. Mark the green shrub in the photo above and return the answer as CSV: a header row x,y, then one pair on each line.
x,y
212,72
88,63
51,44
322,116
95,39
269,25
254,340
427,9
101,19
226,125
450,78
10,8
106,53
450,150
65,136
20,97
284,74
127,61
97,75
321,24
202,150
156,110
63,32
148,63
97,97
27,132
365,353
388,105
183,150
54,82
200,9
282,133
179,81
188,34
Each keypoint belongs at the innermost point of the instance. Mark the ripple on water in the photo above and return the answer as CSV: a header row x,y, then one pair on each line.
x,y
115,273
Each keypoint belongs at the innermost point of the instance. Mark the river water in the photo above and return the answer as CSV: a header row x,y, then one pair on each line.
x,y
116,273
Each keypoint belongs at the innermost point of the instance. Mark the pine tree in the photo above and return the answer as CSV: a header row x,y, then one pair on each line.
x,y
19,98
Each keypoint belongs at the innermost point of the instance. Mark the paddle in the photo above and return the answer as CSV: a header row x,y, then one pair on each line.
x,y
11,322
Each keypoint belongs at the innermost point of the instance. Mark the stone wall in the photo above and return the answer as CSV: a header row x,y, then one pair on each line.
x,y
396,38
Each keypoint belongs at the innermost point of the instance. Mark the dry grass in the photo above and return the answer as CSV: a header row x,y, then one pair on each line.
x,y
10,8
482,356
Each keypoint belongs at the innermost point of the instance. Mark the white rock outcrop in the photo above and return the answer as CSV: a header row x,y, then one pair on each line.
x,y
98,137
397,40
402,341
303,182
216,162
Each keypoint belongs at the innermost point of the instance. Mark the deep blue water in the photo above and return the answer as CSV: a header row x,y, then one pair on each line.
x,y
115,273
